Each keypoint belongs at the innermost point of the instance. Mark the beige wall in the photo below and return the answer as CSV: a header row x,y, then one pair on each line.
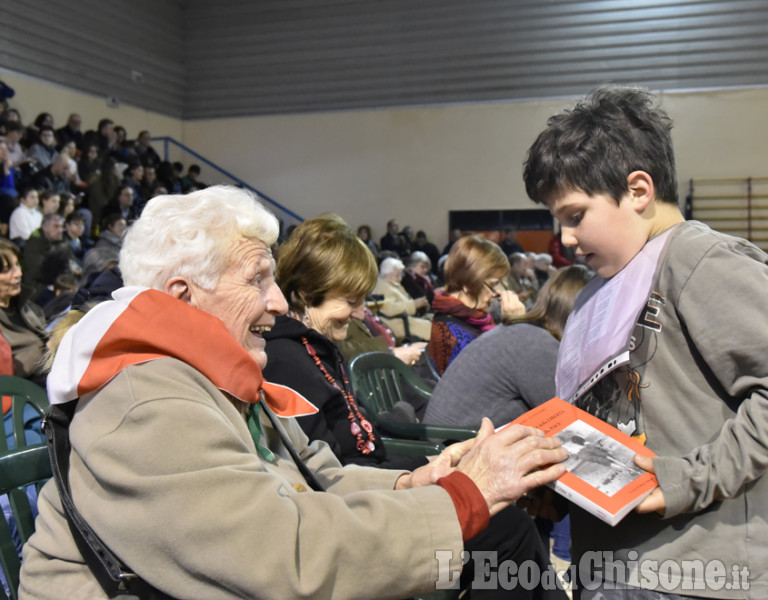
x,y
414,164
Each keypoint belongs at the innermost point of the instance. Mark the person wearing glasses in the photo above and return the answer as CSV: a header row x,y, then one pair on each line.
x,y
474,273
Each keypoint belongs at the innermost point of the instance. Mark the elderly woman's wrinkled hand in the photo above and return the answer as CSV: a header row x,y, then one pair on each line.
x,y
439,466
505,465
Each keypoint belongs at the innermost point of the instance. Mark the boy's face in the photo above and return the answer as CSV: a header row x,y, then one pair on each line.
x,y
607,235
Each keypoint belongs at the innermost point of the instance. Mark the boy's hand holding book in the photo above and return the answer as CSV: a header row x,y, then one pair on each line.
x,y
655,501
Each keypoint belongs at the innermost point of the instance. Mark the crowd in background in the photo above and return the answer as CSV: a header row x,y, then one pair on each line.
x,y
68,195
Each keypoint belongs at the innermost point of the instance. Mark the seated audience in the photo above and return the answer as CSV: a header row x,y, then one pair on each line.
x,y
33,132
474,272
71,132
48,237
190,182
542,267
25,218
70,150
55,176
454,235
392,241
154,436
50,201
301,354
397,309
422,243
133,176
103,138
74,228
510,245
521,279
111,236
16,153
144,150
123,203
149,186
22,322
8,192
371,334
416,278
511,368
103,189
89,165
44,150
364,233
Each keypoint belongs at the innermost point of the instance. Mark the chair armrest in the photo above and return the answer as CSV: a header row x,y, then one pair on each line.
x,y
425,431
411,447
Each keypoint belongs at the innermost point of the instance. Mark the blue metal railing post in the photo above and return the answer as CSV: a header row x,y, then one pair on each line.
x,y
169,140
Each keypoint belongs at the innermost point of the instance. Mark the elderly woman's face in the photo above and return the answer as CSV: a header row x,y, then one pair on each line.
x,y
246,298
395,275
421,268
10,280
333,316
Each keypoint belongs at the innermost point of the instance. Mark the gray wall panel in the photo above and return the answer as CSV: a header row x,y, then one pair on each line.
x,y
95,45
278,56
202,59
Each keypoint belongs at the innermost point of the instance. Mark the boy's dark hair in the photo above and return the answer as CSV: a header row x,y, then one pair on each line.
x,y
594,145
194,169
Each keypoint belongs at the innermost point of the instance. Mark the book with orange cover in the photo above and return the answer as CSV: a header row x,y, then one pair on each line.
x,y
602,477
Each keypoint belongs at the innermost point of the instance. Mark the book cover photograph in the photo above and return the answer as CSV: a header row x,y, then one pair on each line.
x,y
602,477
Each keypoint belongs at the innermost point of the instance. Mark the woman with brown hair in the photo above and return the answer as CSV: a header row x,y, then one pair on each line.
x,y
511,369
325,272
22,322
474,274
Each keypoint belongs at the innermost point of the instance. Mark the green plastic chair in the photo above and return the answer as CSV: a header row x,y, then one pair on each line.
x,y
18,469
28,401
403,447
378,379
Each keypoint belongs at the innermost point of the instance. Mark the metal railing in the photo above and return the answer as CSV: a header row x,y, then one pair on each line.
x,y
285,215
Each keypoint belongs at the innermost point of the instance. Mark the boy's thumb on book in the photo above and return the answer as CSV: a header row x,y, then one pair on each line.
x,y
645,463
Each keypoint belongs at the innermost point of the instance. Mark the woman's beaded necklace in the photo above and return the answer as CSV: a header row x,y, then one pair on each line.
x,y
359,426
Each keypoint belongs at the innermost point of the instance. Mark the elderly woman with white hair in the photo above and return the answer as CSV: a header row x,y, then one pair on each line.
x,y
181,468
398,308
416,278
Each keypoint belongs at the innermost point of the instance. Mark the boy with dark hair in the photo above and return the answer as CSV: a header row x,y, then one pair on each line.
x,y
668,344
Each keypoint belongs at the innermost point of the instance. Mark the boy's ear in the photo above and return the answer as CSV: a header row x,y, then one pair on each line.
x,y
641,190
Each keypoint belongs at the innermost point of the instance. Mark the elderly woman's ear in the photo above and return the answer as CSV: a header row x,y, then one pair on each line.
x,y
179,289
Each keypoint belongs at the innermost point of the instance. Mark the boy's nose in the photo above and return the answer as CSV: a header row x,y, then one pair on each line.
x,y
567,237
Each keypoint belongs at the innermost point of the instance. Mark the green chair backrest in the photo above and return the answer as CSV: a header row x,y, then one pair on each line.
x,y
28,400
378,380
379,377
19,469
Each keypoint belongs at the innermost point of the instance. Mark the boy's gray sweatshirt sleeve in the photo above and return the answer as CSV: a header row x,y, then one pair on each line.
x,y
723,310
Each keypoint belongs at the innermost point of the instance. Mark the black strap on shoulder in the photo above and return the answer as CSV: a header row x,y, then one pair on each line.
x,y
113,576
308,475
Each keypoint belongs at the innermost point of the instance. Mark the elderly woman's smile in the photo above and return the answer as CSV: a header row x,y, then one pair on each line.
x,y
246,297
